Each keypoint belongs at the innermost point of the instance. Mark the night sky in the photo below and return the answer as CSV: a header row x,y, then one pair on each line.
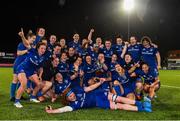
x,y
161,21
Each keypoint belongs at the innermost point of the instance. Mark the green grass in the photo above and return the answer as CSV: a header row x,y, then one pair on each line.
x,y
165,107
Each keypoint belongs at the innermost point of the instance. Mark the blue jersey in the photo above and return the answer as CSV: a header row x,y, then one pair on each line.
x,y
95,98
107,54
112,67
20,58
63,68
83,52
50,47
83,99
128,86
89,72
49,54
31,64
135,51
148,77
76,46
93,55
121,78
149,56
37,40
118,49
60,87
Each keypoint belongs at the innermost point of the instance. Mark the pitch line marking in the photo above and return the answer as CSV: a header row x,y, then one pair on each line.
x,y
170,86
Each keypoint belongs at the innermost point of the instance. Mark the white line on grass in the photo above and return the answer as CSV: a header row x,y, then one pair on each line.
x,y
169,75
170,86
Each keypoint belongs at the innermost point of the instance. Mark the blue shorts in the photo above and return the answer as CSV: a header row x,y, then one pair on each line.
x,y
15,66
102,99
28,72
129,87
14,70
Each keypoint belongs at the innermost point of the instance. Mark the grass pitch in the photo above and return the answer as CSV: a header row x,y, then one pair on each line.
x,y
165,107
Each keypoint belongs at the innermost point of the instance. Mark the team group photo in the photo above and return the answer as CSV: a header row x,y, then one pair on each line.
x,y
89,71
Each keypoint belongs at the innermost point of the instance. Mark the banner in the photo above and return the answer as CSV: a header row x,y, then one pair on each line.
x,y
7,58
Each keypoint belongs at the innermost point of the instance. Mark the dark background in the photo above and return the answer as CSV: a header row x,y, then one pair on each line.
x,y
161,21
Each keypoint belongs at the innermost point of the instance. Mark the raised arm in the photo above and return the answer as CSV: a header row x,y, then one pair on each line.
x,y
132,69
90,36
94,86
124,50
24,40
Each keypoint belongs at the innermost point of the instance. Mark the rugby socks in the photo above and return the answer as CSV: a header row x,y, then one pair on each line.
x,y
39,94
32,97
29,84
13,89
139,105
17,100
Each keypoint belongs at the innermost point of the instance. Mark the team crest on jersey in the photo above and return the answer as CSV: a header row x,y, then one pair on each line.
x,y
106,93
76,102
66,81
79,95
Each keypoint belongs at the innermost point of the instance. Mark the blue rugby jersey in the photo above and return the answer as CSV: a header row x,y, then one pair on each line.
x,y
63,68
32,63
83,99
149,56
107,54
135,51
121,78
89,72
20,58
118,49
60,87
148,77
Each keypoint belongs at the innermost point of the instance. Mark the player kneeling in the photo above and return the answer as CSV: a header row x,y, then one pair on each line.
x,y
151,80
